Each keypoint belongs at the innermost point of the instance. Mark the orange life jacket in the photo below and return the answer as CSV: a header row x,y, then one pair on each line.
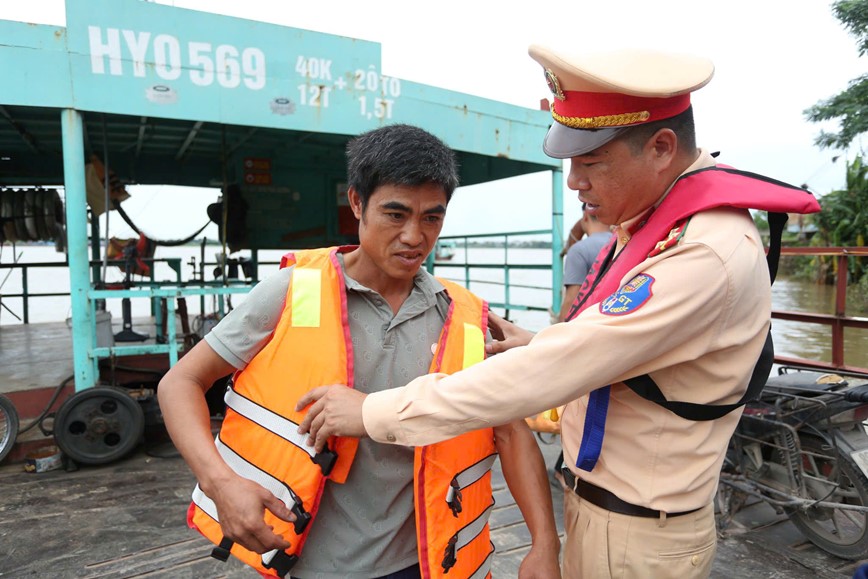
x,y
258,438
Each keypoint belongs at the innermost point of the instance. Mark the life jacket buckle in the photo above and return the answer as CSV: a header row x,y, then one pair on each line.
x,y
222,551
449,559
453,498
326,460
302,517
279,562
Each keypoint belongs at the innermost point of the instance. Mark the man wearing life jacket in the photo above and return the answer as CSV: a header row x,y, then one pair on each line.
x,y
369,317
679,301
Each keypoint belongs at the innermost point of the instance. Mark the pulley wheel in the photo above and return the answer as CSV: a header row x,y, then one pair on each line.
x,y
99,425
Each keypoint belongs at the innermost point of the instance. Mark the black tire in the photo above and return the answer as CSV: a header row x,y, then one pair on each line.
x,y
841,532
99,425
8,426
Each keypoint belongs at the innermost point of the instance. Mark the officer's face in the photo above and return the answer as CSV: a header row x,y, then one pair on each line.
x,y
616,182
399,227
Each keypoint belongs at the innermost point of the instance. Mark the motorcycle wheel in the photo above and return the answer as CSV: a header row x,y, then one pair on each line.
x,y
8,426
841,532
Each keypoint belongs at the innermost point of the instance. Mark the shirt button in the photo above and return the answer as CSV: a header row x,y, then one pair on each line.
x,y
694,560
390,437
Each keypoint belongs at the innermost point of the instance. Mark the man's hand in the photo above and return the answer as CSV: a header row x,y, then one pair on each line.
x,y
506,335
541,563
335,411
241,505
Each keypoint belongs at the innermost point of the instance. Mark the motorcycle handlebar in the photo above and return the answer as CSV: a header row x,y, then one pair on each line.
x,y
857,395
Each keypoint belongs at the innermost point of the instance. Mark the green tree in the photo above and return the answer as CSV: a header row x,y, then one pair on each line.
x,y
843,220
851,105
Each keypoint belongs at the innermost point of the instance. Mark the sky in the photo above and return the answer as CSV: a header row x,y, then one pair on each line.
x,y
773,59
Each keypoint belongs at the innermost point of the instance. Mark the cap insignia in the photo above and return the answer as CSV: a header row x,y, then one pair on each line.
x,y
554,84
601,122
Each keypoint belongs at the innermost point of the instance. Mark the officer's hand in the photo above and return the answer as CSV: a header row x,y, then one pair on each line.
x,y
334,411
506,335
541,563
241,505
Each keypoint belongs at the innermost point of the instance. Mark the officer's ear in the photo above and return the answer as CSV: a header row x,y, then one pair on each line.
x,y
663,146
664,142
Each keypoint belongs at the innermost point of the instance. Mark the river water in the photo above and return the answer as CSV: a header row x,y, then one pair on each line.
x,y
792,339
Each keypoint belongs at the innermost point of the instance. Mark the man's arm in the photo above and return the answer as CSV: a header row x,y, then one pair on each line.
x,y
561,363
577,231
525,473
240,502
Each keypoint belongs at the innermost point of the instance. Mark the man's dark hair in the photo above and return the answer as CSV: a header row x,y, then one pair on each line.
x,y
681,124
399,155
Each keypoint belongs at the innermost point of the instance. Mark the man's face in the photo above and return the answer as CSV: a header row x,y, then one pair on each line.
x,y
400,226
615,182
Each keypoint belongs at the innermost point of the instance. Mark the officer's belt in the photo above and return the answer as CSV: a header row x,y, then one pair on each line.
x,y
606,500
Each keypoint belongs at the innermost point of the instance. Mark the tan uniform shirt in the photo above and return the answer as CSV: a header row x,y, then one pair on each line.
x,y
699,336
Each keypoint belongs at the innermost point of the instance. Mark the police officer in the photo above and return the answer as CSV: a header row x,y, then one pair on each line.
x,y
681,298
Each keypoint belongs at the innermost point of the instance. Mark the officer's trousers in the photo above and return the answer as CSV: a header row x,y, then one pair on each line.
x,y
601,544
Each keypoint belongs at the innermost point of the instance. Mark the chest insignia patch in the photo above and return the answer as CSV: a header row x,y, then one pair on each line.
x,y
630,297
672,239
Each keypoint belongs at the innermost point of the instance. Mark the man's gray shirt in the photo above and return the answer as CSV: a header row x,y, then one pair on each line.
x,y
365,527
581,256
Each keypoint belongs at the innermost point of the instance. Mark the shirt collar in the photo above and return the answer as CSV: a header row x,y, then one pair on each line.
x,y
423,281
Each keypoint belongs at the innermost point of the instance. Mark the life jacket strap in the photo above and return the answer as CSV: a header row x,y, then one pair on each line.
x,y
464,537
279,561
280,426
464,479
595,429
644,385
251,472
223,550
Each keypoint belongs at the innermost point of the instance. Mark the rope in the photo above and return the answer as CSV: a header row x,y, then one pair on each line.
x,y
164,242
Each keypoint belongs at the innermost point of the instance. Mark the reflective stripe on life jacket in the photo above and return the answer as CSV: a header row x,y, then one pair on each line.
x,y
466,459
261,420
258,438
463,537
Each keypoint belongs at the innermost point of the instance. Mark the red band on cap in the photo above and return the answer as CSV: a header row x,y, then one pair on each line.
x,y
589,110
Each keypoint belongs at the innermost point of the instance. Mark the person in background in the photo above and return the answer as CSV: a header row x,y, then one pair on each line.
x,y
680,303
372,317
581,256
577,232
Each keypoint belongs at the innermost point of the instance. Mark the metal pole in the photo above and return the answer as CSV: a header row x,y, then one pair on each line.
x,y
25,298
83,326
557,238
840,311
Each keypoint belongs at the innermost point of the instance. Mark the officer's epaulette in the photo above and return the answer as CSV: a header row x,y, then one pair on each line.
x,y
672,238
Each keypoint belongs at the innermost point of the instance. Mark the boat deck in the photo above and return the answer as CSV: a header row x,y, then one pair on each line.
x,y
34,356
127,518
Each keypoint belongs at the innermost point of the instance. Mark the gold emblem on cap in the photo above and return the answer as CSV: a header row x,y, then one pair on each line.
x,y
621,120
554,84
